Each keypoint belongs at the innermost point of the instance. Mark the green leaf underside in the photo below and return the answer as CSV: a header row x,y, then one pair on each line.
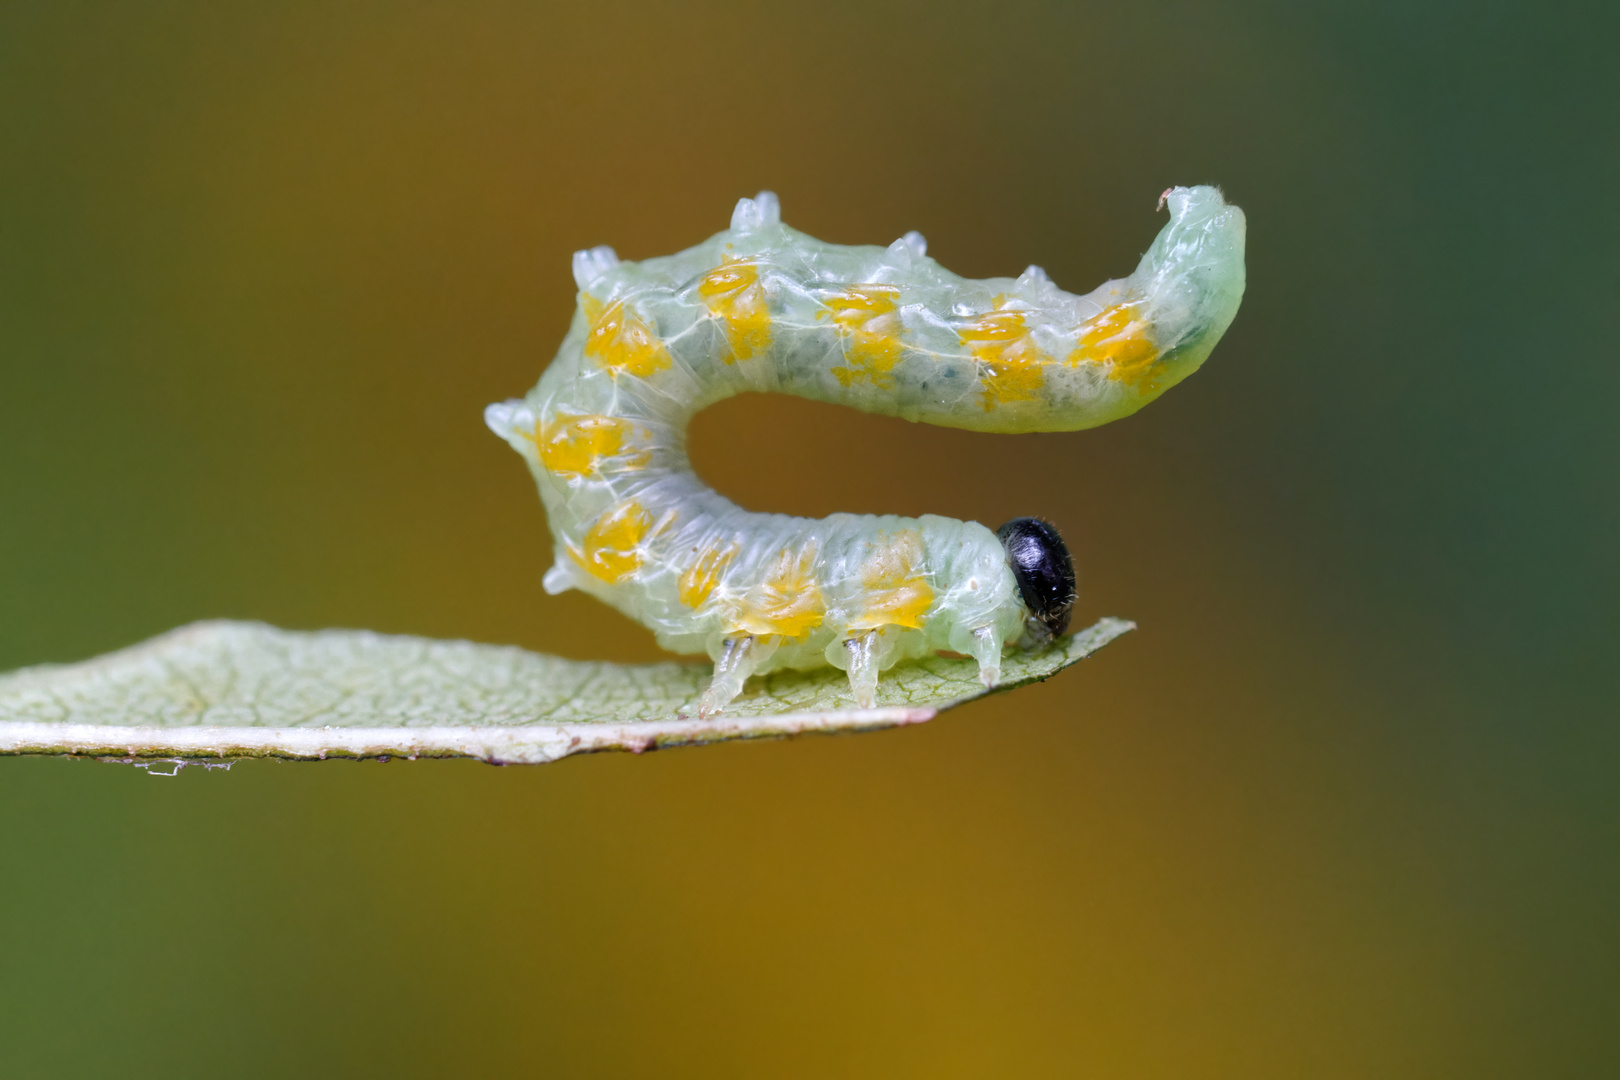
x,y
241,689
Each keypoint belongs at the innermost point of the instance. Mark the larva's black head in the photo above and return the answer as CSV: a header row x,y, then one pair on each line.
x,y
1044,572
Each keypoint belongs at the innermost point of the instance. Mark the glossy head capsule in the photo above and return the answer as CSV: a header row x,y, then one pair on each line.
x,y
1045,573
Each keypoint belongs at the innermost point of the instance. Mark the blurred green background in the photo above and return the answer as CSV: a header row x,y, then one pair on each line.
x,y
1345,806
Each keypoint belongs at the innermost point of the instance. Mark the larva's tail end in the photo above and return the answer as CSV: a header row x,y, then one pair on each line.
x,y
1192,278
1201,215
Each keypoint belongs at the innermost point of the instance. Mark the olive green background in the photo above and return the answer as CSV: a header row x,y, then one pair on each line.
x,y
1345,806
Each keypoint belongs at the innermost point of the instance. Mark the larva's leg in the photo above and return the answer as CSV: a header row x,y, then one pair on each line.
x,y
863,668
987,651
739,658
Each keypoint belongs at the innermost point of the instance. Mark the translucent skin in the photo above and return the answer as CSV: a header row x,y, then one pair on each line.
x,y
886,330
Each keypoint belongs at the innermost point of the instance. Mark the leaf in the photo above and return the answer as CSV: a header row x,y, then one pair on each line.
x,y
242,689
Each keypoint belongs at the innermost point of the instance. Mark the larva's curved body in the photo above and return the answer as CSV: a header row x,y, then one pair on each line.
x,y
887,330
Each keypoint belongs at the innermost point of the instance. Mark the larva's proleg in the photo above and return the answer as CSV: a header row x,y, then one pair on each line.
x,y
887,330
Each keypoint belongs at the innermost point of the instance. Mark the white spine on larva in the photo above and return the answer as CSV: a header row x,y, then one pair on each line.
x,y
887,330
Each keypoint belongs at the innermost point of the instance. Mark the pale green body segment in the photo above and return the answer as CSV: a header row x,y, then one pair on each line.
x,y
763,307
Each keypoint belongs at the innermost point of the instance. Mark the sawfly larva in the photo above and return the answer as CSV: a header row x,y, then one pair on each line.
x,y
886,330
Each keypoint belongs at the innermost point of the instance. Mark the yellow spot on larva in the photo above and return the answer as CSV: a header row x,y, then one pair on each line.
x,y
1012,366
734,295
868,318
699,581
1118,337
577,445
896,583
612,547
787,603
620,341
